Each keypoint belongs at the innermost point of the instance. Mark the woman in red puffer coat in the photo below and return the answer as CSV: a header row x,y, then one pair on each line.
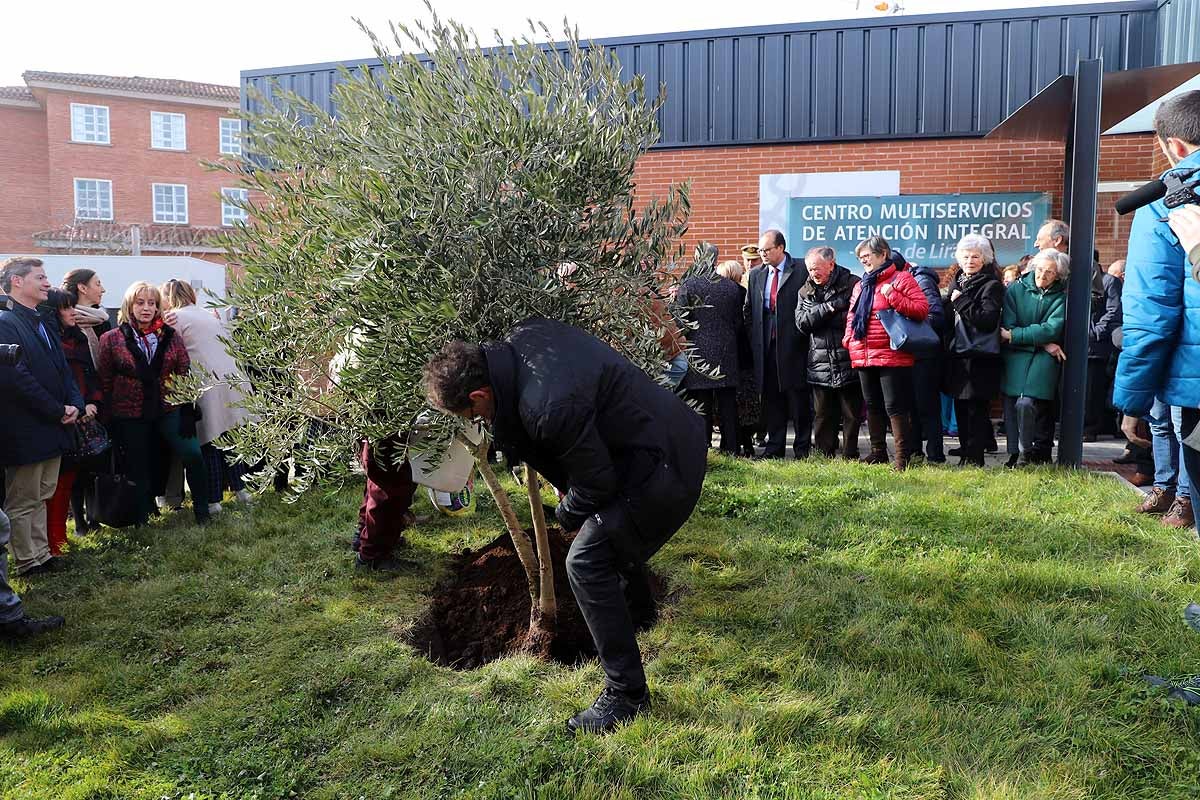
x,y
885,374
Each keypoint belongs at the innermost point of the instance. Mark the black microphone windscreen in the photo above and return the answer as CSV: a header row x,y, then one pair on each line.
x,y
1146,193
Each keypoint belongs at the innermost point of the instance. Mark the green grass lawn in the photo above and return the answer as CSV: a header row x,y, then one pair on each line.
x,y
845,633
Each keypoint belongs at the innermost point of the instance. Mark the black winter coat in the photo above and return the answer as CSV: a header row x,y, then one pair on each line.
x,y
980,306
821,316
600,430
791,346
715,306
34,391
1106,314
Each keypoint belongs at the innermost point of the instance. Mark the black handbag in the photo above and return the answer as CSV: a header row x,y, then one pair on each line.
x,y
118,499
909,336
90,439
969,342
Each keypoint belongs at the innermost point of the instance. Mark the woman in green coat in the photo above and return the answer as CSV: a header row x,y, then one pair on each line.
x,y
1031,328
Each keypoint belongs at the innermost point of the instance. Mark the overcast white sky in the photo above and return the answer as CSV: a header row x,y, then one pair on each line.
x,y
213,42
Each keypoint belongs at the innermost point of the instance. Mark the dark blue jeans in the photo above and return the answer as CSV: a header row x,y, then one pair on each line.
x,y
927,409
1191,456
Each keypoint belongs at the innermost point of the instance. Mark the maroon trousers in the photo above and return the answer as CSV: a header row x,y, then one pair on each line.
x,y
386,499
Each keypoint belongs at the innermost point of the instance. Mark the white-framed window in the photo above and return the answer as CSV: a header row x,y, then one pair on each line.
x,y
231,136
170,203
89,124
168,131
231,213
93,199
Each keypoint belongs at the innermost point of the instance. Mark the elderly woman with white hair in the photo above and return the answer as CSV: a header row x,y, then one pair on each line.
x,y
1031,329
973,366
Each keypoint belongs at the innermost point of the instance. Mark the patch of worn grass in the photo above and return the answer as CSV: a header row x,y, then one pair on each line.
x,y
845,633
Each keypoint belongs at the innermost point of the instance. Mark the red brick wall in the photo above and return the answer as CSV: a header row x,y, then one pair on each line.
x,y
724,193
129,162
23,171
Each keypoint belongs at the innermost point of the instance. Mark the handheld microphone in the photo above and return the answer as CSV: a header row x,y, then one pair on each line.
x,y
1143,195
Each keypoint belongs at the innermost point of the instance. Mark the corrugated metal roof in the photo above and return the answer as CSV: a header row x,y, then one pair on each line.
x,y
1178,31
895,77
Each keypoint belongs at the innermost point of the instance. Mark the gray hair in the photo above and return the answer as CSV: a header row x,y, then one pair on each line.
x,y
821,254
1061,261
973,241
1059,230
17,267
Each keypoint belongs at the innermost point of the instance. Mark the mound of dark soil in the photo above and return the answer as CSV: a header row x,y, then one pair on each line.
x,y
480,612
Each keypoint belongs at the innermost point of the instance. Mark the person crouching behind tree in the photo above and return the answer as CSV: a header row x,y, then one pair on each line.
x,y
79,359
629,454
139,360
821,315
885,374
1031,330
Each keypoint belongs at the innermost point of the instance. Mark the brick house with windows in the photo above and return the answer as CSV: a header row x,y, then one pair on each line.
x,y
97,164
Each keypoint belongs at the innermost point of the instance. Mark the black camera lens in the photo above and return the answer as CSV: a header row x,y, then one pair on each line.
x,y
10,354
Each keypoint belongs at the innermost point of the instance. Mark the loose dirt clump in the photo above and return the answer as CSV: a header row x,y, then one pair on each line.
x,y
480,611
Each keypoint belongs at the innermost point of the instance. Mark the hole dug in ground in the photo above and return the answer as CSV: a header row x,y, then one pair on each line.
x,y
480,611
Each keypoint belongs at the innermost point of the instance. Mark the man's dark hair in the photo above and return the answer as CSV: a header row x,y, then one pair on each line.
x,y
17,267
458,369
1179,118
776,238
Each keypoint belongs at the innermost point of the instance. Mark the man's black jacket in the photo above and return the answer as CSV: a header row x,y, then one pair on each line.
x,y
34,391
600,430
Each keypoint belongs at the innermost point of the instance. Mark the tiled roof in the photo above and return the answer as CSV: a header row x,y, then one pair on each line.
x,y
16,93
205,91
94,235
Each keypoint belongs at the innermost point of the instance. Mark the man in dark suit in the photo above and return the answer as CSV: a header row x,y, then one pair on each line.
x,y
780,350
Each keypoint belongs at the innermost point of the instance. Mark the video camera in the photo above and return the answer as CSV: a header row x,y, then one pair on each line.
x,y
1178,186
10,354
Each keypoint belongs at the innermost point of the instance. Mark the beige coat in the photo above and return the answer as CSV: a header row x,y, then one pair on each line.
x,y
220,405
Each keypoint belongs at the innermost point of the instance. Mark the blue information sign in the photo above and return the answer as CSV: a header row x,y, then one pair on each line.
x,y
925,228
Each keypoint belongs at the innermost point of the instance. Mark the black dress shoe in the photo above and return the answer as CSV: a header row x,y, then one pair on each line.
x,y
612,708
1012,460
28,627
955,451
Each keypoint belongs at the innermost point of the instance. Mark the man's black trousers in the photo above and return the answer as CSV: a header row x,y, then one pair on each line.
x,y
781,406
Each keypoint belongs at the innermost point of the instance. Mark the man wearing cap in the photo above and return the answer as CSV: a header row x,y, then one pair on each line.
x,y
751,258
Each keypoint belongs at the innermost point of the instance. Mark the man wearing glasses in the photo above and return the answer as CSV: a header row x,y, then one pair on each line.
x,y
780,350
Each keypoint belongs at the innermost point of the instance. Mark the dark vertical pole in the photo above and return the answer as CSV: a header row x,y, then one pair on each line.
x,y
1080,197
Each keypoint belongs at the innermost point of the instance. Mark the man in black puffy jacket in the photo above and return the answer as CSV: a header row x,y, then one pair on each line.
x,y
629,454
821,315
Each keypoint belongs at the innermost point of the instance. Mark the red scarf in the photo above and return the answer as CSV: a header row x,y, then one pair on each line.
x,y
145,333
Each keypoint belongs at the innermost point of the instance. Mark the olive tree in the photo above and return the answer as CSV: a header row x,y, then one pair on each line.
x,y
452,194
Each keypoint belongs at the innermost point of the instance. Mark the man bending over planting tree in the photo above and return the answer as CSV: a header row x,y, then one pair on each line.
x,y
629,454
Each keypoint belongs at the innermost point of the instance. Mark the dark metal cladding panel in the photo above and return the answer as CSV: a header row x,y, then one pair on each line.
x,y
773,97
964,55
827,89
746,81
956,74
697,87
905,90
934,68
1019,67
723,89
880,81
1179,31
799,99
991,75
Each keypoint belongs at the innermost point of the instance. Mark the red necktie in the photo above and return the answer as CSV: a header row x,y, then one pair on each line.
x,y
774,286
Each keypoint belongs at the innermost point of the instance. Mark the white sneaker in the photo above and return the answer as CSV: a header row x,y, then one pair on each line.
x,y
214,508
244,496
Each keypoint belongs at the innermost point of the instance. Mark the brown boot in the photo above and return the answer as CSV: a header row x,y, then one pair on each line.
x,y
900,432
877,432
1157,502
1180,514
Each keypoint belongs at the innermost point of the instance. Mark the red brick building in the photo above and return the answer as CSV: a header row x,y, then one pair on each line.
x,y
101,164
